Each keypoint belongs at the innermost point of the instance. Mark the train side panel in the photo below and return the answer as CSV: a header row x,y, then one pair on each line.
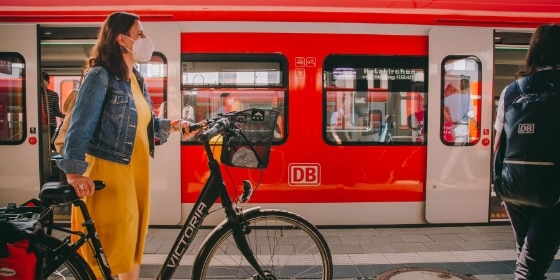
x,y
390,172
344,179
22,125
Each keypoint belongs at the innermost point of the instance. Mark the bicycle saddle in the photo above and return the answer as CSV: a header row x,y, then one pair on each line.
x,y
61,193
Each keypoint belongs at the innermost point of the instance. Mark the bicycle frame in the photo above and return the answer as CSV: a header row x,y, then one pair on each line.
x,y
91,233
213,189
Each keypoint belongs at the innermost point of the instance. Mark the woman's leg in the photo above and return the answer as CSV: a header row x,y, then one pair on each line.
x,y
537,236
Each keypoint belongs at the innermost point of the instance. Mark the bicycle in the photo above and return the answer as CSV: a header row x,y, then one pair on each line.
x,y
248,244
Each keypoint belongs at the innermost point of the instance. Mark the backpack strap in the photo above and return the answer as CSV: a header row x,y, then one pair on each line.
x,y
523,84
515,90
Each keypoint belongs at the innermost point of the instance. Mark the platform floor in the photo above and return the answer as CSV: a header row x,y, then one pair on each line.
x,y
483,251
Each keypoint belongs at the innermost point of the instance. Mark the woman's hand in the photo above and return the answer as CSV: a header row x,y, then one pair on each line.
x,y
175,126
183,127
83,185
185,131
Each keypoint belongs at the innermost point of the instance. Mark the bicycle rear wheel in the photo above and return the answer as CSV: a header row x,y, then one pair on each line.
x,y
285,245
74,266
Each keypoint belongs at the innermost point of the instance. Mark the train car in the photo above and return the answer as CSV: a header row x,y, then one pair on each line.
x,y
366,92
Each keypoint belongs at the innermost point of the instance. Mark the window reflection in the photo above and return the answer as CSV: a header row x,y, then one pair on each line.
x,y
12,69
154,72
374,99
216,84
460,100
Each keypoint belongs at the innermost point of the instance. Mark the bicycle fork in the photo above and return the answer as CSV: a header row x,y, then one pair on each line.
x,y
240,229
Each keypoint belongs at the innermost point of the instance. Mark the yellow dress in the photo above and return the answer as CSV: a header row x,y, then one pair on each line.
x,y
121,211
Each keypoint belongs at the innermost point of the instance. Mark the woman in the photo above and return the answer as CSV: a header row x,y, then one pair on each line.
x,y
111,138
536,230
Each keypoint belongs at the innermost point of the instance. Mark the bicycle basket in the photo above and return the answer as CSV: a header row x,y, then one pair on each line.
x,y
250,148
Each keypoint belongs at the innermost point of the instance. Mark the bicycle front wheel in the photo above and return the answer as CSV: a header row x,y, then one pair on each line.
x,y
285,245
61,262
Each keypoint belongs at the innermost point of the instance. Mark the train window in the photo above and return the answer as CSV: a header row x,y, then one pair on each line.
x,y
374,100
219,83
12,99
460,95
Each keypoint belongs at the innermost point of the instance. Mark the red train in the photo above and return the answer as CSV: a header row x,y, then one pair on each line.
x,y
367,133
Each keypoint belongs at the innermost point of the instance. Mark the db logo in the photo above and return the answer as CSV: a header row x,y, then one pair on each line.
x,y
526,128
308,174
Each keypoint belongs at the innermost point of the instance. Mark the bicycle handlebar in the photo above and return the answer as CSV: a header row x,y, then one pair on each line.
x,y
216,128
213,126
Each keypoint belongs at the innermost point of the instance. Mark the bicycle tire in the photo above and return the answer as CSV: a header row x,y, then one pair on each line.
x,y
74,266
285,245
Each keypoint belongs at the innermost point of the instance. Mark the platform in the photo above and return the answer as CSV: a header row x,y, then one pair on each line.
x,y
484,252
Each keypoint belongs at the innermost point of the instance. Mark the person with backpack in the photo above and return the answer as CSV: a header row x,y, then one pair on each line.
x,y
111,138
528,109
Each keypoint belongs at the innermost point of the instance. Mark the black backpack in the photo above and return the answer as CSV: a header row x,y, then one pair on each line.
x,y
527,163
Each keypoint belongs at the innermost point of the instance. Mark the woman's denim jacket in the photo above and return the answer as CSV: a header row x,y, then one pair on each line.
x,y
103,122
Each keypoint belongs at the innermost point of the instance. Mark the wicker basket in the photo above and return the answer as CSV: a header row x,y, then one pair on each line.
x,y
251,147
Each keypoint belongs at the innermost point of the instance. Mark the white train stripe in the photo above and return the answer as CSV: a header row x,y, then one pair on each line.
x,y
386,258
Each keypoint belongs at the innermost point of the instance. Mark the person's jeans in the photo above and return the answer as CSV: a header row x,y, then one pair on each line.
x,y
537,236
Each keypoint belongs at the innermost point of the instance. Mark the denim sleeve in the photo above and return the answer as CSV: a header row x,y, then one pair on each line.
x,y
87,110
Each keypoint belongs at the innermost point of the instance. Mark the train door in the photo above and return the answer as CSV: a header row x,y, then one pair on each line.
x,y
163,80
20,122
161,74
460,104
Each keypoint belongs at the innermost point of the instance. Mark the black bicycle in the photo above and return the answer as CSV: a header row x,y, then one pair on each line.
x,y
257,244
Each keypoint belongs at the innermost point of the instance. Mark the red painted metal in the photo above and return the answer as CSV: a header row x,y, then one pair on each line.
x,y
446,12
348,174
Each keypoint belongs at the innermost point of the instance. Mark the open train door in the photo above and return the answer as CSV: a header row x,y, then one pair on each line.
x,y
459,148
20,131
165,166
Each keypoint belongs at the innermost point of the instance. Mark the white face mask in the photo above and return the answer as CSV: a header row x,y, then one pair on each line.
x,y
142,49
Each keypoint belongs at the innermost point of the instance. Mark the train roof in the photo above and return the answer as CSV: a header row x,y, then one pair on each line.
x,y
519,13
304,5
